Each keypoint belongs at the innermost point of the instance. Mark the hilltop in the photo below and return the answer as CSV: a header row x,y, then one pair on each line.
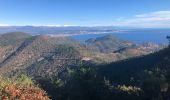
x,y
35,51
71,68
108,44
43,55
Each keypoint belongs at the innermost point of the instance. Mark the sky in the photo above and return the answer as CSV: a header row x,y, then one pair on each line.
x,y
127,13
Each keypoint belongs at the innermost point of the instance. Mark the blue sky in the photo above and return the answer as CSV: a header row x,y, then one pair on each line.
x,y
131,13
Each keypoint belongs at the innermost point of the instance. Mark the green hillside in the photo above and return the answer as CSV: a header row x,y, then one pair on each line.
x,y
40,53
108,43
107,68
150,73
140,78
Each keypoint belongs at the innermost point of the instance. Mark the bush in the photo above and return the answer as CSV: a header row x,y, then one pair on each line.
x,y
15,90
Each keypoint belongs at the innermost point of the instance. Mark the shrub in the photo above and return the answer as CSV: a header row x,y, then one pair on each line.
x,y
12,90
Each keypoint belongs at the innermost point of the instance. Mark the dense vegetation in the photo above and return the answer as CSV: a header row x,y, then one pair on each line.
x,y
141,78
85,84
20,89
55,65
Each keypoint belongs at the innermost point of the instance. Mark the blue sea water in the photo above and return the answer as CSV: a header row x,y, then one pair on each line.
x,y
137,36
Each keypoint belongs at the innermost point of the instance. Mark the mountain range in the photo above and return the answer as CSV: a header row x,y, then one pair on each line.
x,y
103,68
43,55
60,30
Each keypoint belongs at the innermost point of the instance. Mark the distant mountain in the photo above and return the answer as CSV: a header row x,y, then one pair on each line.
x,y
115,48
108,44
55,30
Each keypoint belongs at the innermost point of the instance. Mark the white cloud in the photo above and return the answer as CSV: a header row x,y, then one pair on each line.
x,y
39,25
159,19
4,25
57,25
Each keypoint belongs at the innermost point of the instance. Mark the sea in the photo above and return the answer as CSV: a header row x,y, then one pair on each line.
x,y
135,35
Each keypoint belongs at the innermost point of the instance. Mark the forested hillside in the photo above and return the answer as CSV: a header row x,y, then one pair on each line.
x,y
140,78
43,55
104,68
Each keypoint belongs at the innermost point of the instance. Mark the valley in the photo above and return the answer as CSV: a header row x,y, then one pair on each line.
x,y
84,50
23,53
57,61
